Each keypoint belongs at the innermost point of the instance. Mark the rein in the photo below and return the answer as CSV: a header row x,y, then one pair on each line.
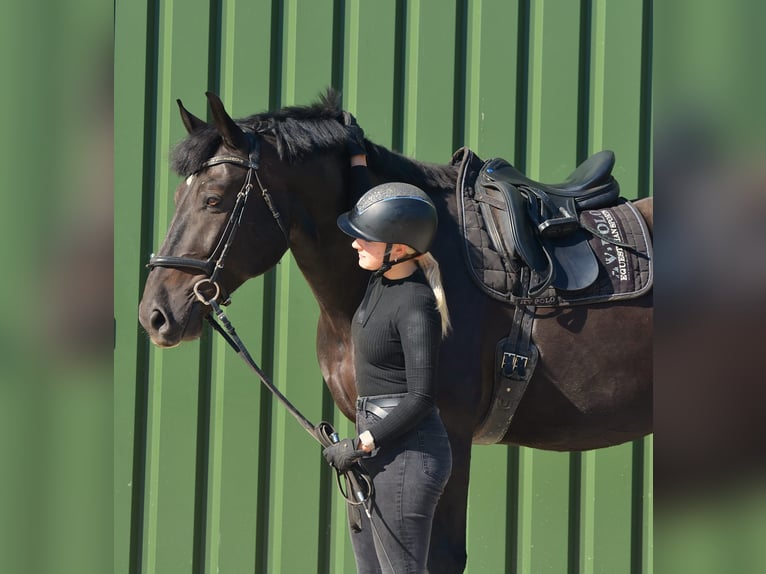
x,y
354,484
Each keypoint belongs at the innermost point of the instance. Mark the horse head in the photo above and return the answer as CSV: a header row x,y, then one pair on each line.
x,y
222,210
253,188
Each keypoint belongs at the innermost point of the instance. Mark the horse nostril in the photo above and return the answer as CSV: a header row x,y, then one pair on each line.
x,y
158,320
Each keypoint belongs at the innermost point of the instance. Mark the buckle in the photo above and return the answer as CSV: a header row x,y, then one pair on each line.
x,y
514,363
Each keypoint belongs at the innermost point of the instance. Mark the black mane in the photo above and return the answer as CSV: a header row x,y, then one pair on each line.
x,y
297,130
394,166
300,131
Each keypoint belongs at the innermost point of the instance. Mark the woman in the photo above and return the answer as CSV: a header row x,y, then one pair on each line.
x,y
397,331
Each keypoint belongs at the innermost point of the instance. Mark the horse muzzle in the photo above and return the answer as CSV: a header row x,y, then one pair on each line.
x,y
168,326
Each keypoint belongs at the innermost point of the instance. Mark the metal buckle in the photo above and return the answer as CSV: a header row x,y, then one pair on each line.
x,y
518,363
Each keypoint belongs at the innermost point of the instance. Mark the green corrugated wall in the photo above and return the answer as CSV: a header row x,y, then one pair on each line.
x,y
210,477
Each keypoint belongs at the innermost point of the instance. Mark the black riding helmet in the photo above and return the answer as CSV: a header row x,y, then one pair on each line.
x,y
393,213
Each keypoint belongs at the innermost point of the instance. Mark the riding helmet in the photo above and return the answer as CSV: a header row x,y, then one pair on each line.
x,y
393,213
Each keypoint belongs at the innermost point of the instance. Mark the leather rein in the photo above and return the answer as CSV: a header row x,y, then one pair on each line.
x,y
354,484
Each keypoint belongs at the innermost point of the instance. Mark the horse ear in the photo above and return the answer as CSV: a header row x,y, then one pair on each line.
x,y
232,135
191,122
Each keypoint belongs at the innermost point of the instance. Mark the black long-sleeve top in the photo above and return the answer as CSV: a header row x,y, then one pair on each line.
x,y
397,335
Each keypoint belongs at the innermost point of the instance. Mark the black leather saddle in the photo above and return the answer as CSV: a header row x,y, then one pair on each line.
x,y
540,222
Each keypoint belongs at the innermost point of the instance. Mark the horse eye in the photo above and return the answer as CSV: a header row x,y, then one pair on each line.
x,y
212,201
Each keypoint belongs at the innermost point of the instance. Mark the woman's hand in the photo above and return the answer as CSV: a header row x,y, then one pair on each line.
x,y
342,455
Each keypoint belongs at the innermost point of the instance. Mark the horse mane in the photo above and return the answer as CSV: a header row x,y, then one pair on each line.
x,y
393,166
300,131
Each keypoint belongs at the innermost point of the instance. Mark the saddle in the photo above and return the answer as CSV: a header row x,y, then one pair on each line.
x,y
513,223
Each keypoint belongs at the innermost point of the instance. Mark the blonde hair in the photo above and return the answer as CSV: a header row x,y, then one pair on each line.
x,y
430,268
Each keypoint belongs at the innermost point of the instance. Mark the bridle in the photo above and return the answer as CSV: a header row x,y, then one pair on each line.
x,y
355,486
213,265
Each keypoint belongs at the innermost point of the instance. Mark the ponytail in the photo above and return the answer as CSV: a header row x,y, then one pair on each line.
x,y
430,268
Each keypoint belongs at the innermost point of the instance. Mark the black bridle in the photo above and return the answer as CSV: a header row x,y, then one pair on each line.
x,y
213,265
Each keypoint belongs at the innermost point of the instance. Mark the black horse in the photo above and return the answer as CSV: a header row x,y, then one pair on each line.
x,y
592,387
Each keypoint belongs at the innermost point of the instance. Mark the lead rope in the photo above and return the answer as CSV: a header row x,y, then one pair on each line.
x,y
354,484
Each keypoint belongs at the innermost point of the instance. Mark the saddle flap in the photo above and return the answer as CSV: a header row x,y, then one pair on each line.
x,y
575,266
514,228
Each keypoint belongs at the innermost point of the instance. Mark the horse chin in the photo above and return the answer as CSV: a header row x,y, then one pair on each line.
x,y
164,344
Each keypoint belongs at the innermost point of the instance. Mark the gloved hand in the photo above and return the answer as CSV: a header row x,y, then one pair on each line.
x,y
355,140
343,454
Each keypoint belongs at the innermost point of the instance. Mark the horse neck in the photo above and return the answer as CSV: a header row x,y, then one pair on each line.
x,y
387,165
333,276
322,252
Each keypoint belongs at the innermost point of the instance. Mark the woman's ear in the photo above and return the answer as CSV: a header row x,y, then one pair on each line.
x,y
398,251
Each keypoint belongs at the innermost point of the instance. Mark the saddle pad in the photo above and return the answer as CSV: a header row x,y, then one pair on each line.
x,y
624,273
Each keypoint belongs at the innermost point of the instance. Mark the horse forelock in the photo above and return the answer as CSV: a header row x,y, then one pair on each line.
x,y
190,153
298,131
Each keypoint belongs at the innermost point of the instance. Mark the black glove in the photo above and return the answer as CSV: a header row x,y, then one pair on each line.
x,y
355,140
342,455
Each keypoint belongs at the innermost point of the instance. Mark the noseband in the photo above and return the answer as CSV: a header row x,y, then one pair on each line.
x,y
213,265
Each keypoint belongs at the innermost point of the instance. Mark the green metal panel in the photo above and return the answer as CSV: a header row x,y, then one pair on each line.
x,y
553,89
130,177
429,79
239,441
494,79
177,378
211,476
370,68
618,110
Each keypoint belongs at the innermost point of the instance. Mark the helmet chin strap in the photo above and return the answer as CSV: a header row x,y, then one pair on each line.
x,y
388,264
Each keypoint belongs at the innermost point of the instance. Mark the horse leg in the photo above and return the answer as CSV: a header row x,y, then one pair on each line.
x,y
447,553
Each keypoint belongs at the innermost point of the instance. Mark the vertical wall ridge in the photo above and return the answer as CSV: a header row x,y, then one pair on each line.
x,y
141,405
202,467
399,88
522,80
584,92
460,83
645,135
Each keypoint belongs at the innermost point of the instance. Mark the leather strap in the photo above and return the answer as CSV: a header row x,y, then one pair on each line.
x,y
206,267
516,357
377,405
